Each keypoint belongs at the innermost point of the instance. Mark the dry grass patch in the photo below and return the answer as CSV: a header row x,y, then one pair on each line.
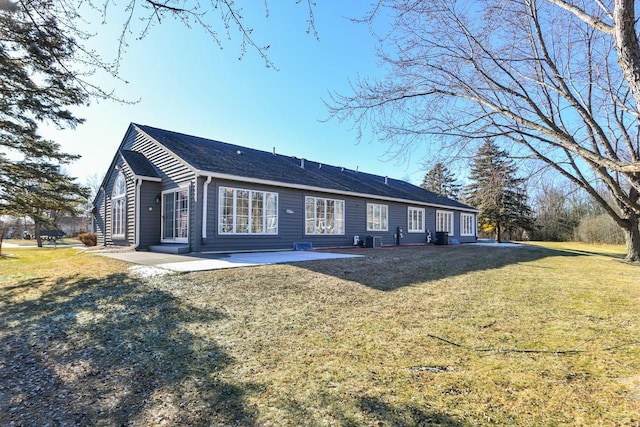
x,y
540,335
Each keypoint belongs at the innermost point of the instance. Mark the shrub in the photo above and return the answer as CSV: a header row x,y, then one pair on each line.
x,y
599,229
89,239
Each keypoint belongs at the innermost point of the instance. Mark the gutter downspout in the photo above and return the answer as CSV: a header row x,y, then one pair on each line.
x,y
138,203
205,192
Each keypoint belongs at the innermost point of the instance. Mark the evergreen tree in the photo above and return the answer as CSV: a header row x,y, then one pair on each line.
x,y
41,191
497,192
441,181
37,84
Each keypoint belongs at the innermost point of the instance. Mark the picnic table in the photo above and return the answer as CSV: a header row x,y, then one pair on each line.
x,y
52,235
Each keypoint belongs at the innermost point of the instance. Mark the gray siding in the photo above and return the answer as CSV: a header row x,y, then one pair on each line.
x,y
172,171
458,227
291,226
99,219
174,174
129,238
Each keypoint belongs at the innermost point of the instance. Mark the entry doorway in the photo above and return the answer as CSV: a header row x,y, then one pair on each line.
x,y
175,216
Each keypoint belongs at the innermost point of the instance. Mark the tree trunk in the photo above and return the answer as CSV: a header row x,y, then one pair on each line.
x,y
37,227
626,42
498,233
632,238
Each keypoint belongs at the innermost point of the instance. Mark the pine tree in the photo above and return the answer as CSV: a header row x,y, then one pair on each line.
x,y
37,81
441,181
497,192
41,191
37,84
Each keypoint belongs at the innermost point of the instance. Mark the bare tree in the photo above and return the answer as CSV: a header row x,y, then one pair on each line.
x,y
558,78
555,220
220,19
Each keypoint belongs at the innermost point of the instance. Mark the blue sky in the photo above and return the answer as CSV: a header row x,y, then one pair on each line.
x,y
186,83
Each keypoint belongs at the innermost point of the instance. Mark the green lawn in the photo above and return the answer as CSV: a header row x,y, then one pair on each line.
x,y
547,334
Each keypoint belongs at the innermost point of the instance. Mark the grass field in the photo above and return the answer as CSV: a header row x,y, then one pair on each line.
x,y
547,334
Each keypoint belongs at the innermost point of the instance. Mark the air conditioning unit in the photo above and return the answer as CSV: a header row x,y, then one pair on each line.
x,y
373,242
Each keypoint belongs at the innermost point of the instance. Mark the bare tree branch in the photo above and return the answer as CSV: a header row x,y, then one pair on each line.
x,y
541,73
580,13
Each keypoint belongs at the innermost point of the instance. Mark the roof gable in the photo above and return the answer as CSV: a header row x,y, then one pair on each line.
x,y
210,156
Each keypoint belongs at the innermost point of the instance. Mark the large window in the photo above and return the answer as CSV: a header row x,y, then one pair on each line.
x,y
444,222
377,217
247,212
323,216
119,207
467,225
415,220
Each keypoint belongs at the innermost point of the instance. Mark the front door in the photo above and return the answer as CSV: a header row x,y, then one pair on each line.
x,y
175,216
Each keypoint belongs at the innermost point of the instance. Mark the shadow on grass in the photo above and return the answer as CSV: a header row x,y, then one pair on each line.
x,y
355,411
603,253
113,351
383,413
387,269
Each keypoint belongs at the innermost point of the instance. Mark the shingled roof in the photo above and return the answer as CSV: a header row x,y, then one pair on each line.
x,y
139,164
209,156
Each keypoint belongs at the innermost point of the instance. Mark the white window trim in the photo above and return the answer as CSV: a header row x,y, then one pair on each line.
x,y
316,232
117,199
265,216
472,225
386,208
450,214
421,212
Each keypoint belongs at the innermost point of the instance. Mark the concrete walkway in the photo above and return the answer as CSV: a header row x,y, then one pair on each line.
x,y
203,262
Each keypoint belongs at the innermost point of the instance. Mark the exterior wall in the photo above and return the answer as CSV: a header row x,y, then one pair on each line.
x,y
107,209
458,225
172,171
149,218
99,219
174,174
431,225
291,222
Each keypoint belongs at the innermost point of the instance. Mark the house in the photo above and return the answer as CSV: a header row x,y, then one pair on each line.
x,y
169,191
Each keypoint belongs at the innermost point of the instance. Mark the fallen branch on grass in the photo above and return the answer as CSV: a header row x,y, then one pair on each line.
x,y
517,350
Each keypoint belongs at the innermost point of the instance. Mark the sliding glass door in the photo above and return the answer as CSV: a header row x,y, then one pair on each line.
x,y
175,215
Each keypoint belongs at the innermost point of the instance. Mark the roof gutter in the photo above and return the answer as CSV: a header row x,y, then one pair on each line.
x,y
210,175
147,178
